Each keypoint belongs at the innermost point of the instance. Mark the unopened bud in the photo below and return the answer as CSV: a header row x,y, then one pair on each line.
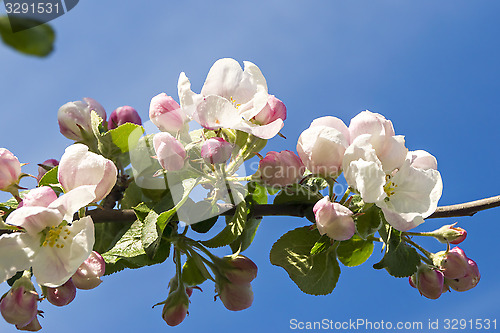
x,y
274,109
235,297
450,234
216,150
10,170
453,264
176,307
241,269
429,281
169,151
88,275
33,326
62,295
19,306
280,168
333,219
122,115
166,114
75,117
469,281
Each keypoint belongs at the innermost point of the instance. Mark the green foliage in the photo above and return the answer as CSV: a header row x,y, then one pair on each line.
x,y
233,229
321,245
355,251
400,260
37,41
299,194
370,222
314,274
50,177
108,234
191,273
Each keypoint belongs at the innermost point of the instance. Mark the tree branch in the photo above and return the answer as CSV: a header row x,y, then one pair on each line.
x,y
299,210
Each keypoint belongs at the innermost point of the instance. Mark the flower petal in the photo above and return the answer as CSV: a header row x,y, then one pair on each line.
x,y
34,219
187,98
15,255
53,266
223,78
69,203
216,112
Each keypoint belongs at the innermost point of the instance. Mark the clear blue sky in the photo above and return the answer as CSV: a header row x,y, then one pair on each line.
x,y
432,67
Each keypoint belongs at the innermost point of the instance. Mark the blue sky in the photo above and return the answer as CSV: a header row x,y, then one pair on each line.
x,y
431,67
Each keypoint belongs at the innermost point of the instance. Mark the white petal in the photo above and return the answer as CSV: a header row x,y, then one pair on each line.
x,y
252,92
217,112
79,166
393,153
402,222
69,203
334,122
34,219
187,98
267,131
223,78
15,255
422,160
53,266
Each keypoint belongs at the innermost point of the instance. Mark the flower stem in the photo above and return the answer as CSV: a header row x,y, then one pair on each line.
x,y
424,251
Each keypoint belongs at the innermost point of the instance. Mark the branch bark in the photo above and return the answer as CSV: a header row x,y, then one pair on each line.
x,y
299,210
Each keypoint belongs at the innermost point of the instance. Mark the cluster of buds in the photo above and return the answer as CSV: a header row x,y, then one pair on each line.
x,y
233,283
452,269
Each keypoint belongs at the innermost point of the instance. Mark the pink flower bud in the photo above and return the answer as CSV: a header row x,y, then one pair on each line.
x,y
216,150
274,109
43,168
79,167
453,264
280,168
39,197
242,270
429,282
62,295
235,297
73,117
122,115
176,307
19,306
10,170
367,122
469,281
88,275
321,148
450,233
166,114
169,151
33,326
333,219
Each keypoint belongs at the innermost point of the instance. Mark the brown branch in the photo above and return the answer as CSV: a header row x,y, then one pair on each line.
x,y
299,210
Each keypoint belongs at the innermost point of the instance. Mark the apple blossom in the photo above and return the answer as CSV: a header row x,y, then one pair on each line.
x,y
235,297
333,219
41,196
52,244
62,295
79,167
122,115
20,305
230,98
367,122
321,147
75,117
280,168
169,151
88,275
10,170
216,150
46,166
167,114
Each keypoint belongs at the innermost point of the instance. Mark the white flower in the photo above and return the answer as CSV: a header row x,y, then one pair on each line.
x,y
230,98
406,194
52,244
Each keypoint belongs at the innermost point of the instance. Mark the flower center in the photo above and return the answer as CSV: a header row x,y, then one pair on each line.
x,y
53,236
389,187
236,105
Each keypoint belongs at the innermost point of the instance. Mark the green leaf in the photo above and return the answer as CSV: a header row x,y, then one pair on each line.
x,y
297,193
400,260
321,245
203,210
50,177
370,222
37,41
314,274
315,184
108,234
132,196
355,251
257,194
247,236
151,235
191,273
125,136
129,252
232,230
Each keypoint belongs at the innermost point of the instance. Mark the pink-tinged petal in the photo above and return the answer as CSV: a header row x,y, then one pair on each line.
x,y
393,154
223,78
266,132
169,151
166,114
15,255
40,196
34,219
333,122
252,92
367,122
54,265
402,222
422,160
10,169
68,204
